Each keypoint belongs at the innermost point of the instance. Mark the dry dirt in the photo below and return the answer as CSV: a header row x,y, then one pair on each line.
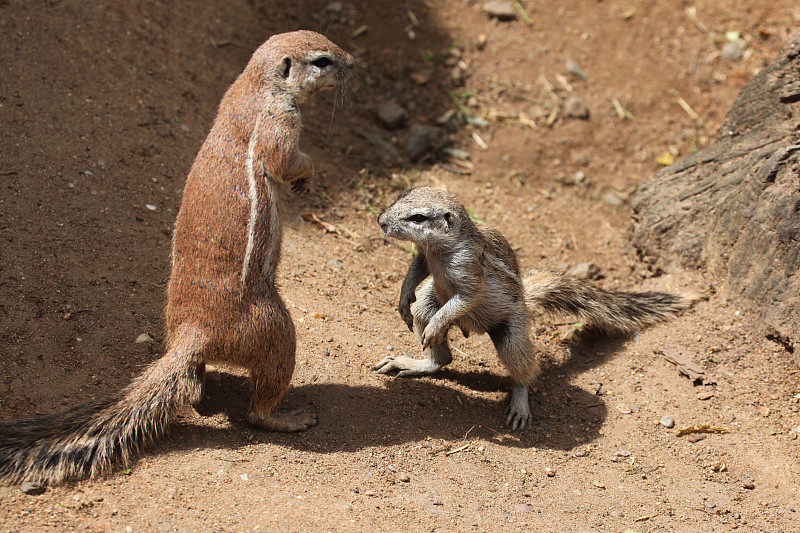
x,y
102,108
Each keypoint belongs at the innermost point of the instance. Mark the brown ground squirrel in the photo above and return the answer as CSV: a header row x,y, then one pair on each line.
x,y
476,285
222,302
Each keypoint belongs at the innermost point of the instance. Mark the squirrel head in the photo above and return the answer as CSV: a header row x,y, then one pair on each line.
x,y
300,63
428,217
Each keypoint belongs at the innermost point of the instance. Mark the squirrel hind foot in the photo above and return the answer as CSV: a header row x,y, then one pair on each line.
x,y
298,420
518,413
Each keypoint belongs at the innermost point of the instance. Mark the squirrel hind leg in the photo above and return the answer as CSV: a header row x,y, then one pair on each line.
x,y
267,391
515,350
271,367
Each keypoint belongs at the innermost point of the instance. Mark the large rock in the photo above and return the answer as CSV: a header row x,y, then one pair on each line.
x,y
733,210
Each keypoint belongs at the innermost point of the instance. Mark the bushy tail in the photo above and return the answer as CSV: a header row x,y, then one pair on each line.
x,y
612,312
89,439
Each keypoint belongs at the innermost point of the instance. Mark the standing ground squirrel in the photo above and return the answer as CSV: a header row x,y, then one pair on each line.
x,y
222,302
476,285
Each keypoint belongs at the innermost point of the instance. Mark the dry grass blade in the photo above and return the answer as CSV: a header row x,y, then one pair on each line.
x,y
702,428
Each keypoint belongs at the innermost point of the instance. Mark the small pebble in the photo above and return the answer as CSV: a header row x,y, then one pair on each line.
x,y
707,395
405,478
522,508
579,178
392,115
749,485
34,489
581,453
710,505
150,207
585,271
390,348
575,107
423,140
501,10
612,199
144,337
732,52
667,421
575,69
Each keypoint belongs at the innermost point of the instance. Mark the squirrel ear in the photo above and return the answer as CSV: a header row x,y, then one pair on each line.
x,y
448,219
287,66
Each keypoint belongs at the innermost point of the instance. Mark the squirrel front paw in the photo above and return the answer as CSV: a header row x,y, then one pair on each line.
x,y
405,310
433,335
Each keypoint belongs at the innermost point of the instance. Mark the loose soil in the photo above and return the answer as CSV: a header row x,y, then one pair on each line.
x,y
103,106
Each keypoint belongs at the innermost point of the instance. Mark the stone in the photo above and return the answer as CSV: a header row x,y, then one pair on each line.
x,y
575,69
501,10
575,107
732,52
729,211
612,199
144,337
585,271
32,488
423,140
392,115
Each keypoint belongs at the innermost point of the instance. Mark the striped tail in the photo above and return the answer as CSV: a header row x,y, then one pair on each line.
x,y
612,312
88,440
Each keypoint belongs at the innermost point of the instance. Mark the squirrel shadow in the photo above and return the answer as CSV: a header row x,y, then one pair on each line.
x,y
403,410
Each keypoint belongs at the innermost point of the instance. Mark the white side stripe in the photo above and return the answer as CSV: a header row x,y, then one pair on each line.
x,y
253,193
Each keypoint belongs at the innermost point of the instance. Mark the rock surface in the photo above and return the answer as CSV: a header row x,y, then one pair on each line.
x,y
733,209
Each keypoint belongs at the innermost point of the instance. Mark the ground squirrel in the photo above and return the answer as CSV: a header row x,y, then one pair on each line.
x,y
476,285
222,302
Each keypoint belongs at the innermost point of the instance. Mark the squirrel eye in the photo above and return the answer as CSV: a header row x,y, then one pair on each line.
x,y
418,218
322,62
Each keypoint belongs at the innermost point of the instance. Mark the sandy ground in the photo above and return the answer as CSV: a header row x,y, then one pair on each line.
x,y
103,107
